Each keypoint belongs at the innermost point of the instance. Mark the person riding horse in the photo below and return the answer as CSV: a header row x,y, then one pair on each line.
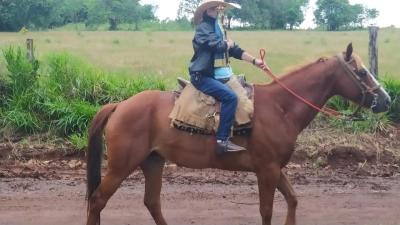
x,y
209,67
138,133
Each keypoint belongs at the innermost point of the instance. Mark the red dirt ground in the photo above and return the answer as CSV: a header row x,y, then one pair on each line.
x,y
336,185
326,197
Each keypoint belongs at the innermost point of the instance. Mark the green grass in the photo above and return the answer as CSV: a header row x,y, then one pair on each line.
x,y
62,96
79,71
392,85
167,54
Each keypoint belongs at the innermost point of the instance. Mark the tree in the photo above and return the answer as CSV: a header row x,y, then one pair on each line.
x,y
334,14
44,14
145,12
73,11
118,11
29,13
295,12
187,8
97,13
370,14
273,14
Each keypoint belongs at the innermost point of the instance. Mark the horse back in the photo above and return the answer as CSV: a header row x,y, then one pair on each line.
x,y
144,118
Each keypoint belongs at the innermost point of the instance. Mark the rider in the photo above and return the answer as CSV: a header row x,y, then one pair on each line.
x,y
209,68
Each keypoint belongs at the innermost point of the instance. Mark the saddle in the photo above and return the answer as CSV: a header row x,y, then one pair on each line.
x,y
198,113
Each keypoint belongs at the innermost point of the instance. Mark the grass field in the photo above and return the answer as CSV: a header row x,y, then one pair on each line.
x,y
166,54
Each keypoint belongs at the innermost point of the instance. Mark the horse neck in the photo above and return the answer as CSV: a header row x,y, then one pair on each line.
x,y
313,82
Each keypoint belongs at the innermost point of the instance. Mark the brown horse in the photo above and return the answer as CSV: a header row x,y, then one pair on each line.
x,y
138,134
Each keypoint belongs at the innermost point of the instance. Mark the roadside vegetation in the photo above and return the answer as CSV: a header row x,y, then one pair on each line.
x,y
77,72
59,95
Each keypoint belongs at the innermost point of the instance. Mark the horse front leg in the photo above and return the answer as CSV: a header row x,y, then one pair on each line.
x,y
286,189
268,179
152,169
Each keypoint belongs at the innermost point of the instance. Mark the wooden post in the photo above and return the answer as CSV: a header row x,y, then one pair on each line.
x,y
373,50
29,52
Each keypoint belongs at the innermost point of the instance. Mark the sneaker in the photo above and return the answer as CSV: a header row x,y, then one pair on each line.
x,y
228,146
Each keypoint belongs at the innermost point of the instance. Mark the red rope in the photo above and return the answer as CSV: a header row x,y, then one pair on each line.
x,y
327,111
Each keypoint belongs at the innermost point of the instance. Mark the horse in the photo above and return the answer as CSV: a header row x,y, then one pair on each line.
x,y
138,133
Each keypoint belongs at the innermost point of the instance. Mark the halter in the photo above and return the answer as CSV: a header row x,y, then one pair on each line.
x,y
360,83
331,112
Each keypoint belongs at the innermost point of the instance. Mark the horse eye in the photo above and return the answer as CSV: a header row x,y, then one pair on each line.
x,y
362,73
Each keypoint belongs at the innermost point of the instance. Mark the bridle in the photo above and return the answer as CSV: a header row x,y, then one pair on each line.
x,y
365,89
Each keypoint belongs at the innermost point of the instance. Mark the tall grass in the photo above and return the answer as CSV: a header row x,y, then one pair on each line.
x,y
369,122
392,85
22,73
62,96
72,78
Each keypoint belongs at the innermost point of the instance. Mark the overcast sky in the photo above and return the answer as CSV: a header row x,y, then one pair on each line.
x,y
389,13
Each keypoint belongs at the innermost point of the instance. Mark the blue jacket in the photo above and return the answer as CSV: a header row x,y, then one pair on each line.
x,y
205,44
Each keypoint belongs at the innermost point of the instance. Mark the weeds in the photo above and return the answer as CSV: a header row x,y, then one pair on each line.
x,y
63,98
78,141
370,123
22,73
392,86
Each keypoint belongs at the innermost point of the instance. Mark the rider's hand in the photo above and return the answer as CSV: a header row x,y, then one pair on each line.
x,y
261,64
230,43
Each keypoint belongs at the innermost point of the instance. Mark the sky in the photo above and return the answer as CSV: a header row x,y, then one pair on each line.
x,y
388,11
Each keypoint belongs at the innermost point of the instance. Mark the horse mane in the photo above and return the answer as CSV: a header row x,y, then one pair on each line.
x,y
303,66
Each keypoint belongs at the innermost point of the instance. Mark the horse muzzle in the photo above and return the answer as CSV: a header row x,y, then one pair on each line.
x,y
381,102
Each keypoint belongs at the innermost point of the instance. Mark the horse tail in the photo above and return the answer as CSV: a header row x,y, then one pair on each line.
x,y
95,148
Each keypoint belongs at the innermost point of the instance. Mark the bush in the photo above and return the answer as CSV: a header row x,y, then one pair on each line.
x,y
339,104
72,78
392,86
64,98
67,118
22,73
368,123
20,120
78,141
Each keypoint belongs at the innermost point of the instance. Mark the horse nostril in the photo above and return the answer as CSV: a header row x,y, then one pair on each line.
x,y
388,101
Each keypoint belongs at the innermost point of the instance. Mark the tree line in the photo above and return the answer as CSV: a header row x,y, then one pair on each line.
x,y
331,15
47,14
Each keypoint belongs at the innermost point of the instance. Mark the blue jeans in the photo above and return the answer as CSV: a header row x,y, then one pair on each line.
x,y
223,94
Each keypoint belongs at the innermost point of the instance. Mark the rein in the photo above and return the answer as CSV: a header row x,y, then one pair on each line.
x,y
325,110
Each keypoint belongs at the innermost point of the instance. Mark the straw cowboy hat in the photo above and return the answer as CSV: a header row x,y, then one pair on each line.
x,y
207,4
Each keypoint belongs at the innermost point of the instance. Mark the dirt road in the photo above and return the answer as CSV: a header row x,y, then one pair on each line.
x,y
206,197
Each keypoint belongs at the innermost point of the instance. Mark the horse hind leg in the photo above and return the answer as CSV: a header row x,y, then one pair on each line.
x,y
100,197
286,189
121,163
152,169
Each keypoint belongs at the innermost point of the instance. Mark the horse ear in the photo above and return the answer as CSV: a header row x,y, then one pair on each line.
x,y
349,51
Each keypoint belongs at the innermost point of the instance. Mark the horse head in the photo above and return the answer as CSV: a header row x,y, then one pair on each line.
x,y
355,82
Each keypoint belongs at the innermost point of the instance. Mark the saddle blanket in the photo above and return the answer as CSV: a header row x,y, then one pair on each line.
x,y
198,113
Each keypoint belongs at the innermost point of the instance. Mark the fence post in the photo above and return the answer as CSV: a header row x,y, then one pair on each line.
x,y
373,50
29,53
